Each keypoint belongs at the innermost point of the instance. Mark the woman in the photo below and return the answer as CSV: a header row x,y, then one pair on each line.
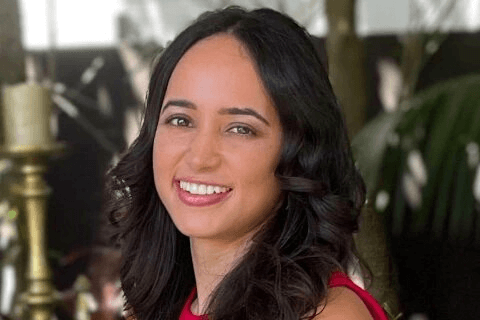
x,y
239,198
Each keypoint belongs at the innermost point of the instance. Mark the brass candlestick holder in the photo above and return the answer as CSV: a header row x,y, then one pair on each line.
x,y
29,143
32,192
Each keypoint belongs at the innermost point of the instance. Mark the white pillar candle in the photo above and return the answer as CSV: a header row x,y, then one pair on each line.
x,y
26,113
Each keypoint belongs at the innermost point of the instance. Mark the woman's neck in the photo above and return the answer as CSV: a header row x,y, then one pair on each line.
x,y
212,260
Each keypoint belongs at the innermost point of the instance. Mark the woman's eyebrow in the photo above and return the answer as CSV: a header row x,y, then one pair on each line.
x,y
234,110
179,103
244,111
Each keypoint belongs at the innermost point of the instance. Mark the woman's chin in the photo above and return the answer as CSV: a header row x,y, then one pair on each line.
x,y
197,230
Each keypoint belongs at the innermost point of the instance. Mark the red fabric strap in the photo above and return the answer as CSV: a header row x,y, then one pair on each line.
x,y
340,279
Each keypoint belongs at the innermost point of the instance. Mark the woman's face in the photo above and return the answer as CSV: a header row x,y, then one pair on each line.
x,y
217,143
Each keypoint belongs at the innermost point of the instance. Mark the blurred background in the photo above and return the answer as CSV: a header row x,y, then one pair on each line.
x,y
407,74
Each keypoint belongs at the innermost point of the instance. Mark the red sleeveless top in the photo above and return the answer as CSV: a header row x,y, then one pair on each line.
x,y
338,279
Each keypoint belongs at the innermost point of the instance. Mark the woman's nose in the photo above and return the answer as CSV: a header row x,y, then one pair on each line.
x,y
204,153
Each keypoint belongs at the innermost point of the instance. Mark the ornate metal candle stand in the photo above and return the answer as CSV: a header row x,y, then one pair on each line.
x,y
31,192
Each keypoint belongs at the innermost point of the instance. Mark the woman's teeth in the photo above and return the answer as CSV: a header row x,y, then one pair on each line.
x,y
195,188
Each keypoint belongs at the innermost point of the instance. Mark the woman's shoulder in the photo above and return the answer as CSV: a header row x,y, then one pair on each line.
x,y
346,300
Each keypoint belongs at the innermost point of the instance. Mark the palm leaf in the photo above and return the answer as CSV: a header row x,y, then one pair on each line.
x,y
370,144
439,122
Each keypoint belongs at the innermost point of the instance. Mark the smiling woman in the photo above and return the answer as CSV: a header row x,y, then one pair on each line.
x,y
206,141
239,198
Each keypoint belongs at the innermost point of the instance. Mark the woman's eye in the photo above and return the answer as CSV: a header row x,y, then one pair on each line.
x,y
179,122
242,130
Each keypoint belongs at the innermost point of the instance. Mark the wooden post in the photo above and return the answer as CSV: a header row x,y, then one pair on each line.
x,y
346,62
348,76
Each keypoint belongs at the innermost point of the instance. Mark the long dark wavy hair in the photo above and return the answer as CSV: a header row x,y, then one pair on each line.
x,y
285,273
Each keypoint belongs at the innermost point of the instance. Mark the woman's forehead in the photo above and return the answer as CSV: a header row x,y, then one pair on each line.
x,y
221,50
218,70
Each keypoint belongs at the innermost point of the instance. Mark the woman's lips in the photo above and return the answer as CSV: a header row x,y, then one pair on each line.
x,y
199,200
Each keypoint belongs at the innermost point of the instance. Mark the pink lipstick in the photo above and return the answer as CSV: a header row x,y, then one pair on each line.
x,y
199,200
